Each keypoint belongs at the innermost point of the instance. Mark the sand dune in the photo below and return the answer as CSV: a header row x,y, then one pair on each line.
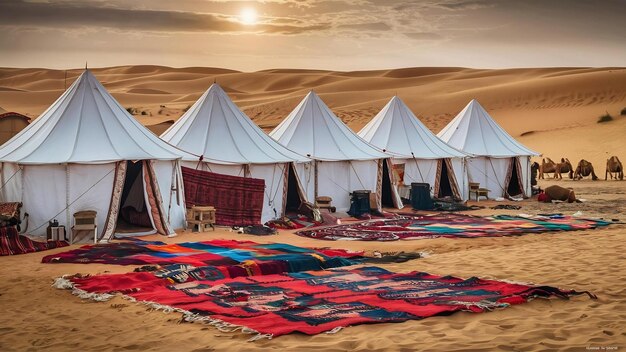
x,y
563,102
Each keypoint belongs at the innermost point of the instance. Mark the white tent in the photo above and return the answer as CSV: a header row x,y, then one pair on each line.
x,y
418,152
499,163
85,152
343,162
215,128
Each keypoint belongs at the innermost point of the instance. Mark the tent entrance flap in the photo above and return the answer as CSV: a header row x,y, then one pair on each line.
x,y
294,192
514,185
445,187
386,196
134,213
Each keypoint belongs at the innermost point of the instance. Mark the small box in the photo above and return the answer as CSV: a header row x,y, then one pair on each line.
x,y
58,233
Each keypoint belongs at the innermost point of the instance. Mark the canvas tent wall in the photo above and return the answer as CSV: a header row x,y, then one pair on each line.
x,y
417,151
499,162
343,162
232,144
73,157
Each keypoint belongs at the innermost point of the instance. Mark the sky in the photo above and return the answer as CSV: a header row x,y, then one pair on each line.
x,y
342,35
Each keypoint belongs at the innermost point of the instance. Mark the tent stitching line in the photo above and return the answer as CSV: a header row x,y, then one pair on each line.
x,y
106,132
53,126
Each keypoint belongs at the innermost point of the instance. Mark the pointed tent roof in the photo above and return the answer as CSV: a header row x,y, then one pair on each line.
x,y
85,125
215,127
397,130
474,131
312,129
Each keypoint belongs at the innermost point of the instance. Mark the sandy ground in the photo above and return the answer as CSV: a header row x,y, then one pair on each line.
x,y
37,317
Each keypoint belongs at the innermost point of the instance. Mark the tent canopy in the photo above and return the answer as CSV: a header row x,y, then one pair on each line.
x,y
397,130
85,125
215,128
474,131
312,129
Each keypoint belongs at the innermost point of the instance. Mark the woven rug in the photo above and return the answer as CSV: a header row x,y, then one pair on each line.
x,y
315,301
211,260
237,200
405,227
11,243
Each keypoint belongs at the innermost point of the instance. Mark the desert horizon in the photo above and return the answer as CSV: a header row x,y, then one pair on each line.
x,y
142,210
531,104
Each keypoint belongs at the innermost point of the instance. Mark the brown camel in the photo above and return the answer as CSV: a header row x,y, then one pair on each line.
x,y
614,166
584,169
557,168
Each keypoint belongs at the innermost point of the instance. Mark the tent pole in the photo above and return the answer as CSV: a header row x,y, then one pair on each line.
x,y
67,197
315,184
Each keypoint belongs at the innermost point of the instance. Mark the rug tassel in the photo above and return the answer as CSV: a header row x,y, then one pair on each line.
x,y
335,330
260,336
64,284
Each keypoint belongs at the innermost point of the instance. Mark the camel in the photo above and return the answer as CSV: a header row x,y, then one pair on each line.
x,y
584,169
614,166
556,168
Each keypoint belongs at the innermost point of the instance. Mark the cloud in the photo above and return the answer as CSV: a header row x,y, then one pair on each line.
x,y
423,36
465,4
376,26
72,15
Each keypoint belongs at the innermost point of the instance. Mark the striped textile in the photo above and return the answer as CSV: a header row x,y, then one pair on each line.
x,y
11,243
237,200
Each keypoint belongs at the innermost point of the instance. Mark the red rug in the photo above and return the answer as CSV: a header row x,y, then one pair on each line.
x,y
237,200
11,243
315,301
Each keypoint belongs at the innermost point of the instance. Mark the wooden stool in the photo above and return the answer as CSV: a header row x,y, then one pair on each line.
x,y
85,221
201,216
324,202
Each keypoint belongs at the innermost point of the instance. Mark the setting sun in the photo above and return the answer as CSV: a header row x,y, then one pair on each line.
x,y
248,16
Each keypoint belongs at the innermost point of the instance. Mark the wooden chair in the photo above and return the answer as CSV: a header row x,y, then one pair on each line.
x,y
201,216
85,221
475,188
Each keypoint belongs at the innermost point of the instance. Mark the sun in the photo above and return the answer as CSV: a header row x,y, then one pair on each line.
x,y
248,16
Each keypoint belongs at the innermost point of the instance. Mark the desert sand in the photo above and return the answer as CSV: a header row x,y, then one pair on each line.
x,y
37,317
552,110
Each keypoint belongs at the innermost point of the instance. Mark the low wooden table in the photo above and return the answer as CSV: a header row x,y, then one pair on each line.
x,y
201,216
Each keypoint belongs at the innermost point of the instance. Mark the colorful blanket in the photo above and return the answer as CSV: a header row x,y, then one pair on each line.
x,y
405,227
315,301
210,260
237,200
11,243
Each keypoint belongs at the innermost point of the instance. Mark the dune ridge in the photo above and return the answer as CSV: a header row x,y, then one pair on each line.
x,y
563,101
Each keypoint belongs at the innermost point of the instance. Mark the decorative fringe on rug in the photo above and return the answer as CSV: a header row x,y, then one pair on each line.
x,y
63,283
